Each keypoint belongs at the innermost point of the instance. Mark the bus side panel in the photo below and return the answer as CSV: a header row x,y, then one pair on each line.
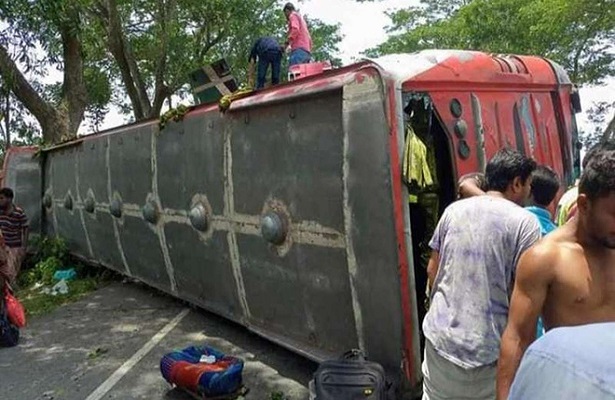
x,y
22,173
523,121
371,223
182,209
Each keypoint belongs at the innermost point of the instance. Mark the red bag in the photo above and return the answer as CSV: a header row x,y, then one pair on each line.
x,y
14,310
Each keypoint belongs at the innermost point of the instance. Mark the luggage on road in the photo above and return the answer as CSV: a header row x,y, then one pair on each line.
x,y
349,378
15,311
203,371
9,333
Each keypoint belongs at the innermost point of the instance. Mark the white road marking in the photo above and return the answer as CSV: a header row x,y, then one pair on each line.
x,y
107,385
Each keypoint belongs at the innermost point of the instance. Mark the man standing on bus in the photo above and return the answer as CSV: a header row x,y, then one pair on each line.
x,y
299,40
269,53
475,250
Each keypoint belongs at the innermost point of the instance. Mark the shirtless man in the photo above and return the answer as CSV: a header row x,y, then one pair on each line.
x,y
568,277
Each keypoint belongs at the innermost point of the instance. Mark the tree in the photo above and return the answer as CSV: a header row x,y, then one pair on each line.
x,y
598,115
134,54
578,34
57,27
157,43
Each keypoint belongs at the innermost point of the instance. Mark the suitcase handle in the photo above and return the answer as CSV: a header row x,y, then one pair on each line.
x,y
354,354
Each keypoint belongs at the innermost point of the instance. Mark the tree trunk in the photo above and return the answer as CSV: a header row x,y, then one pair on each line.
x,y
52,122
122,53
165,15
75,94
142,105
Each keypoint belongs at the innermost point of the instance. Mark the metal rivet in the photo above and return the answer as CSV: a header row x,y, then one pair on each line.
x,y
89,204
463,149
199,218
116,208
211,125
246,119
47,201
273,228
68,202
292,114
456,108
461,129
150,212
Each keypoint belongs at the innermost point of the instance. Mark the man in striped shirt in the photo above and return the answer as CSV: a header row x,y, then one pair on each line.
x,y
14,229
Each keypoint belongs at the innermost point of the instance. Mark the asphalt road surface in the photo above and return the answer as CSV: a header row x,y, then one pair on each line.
x,y
109,344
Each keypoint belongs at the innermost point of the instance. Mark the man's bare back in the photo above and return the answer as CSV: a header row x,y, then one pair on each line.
x,y
581,288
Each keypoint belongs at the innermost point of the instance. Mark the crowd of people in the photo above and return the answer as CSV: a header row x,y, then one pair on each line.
x,y
267,52
501,273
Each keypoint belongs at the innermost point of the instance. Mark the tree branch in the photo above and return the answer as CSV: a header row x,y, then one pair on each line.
x,y
609,132
46,115
121,51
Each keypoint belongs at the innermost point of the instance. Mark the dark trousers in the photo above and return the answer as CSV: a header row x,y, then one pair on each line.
x,y
273,58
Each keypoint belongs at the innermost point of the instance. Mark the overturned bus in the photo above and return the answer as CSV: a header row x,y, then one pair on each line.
x,y
288,213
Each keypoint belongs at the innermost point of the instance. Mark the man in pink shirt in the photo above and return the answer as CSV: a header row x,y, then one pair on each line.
x,y
299,39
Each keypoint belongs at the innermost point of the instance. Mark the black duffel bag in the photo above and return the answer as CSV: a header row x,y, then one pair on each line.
x,y
352,377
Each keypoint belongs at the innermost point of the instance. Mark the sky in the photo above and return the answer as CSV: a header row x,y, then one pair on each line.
x,y
363,26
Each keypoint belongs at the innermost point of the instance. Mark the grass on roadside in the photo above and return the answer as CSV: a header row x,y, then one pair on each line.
x,y
51,255
37,303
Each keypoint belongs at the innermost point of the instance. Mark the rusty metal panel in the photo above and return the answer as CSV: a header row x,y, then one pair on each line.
x,y
190,157
305,295
286,152
143,253
370,222
22,173
203,270
92,175
65,211
130,165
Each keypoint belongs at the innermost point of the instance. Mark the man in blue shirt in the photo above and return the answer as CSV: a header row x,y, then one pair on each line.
x,y
268,52
569,363
545,185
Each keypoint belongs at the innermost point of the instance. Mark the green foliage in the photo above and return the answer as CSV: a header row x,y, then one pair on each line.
x,y
37,303
165,40
325,40
578,34
22,127
48,247
175,114
50,255
598,114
